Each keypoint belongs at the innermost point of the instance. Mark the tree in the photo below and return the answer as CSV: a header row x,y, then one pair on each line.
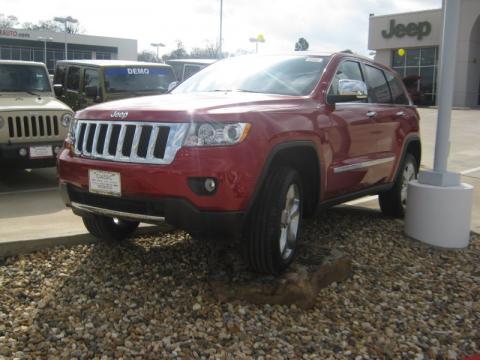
x,y
301,44
178,53
210,51
148,56
8,21
50,25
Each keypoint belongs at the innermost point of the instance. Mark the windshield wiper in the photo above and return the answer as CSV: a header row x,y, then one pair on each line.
x,y
32,93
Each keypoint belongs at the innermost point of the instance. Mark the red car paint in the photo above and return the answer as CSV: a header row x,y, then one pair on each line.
x,y
342,135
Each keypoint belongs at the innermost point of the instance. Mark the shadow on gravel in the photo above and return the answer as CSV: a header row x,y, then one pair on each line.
x,y
154,297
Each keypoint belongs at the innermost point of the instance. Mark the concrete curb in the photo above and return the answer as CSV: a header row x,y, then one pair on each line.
x,y
12,248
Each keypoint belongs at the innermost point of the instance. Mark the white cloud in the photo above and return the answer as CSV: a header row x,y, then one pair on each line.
x,y
326,24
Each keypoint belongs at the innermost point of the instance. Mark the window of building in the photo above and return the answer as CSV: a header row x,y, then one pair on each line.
x,y
378,90
418,69
73,78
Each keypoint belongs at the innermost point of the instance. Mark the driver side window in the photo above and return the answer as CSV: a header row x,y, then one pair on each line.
x,y
90,79
350,70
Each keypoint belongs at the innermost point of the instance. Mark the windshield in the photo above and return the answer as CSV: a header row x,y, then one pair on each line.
x,y
23,78
284,75
137,79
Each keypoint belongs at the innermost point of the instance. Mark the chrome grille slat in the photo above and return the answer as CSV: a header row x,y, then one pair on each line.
x,y
151,143
85,139
136,139
105,153
121,138
176,134
95,140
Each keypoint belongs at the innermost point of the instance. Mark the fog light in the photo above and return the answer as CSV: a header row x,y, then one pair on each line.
x,y
57,149
23,152
210,185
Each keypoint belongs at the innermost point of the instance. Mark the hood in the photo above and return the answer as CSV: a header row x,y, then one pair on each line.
x,y
198,103
20,101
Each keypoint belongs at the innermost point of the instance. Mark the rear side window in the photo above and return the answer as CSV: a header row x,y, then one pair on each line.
x,y
378,91
73,78
396,88
189,70
350,70
59,75
90,79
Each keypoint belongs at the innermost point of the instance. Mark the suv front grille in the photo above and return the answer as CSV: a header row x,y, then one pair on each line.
x,y
128,141
32,126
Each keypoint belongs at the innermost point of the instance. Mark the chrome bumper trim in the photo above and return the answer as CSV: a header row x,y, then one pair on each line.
x,y
114,213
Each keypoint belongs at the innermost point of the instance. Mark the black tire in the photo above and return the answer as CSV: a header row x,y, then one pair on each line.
x,y
109,229
263,243
392,202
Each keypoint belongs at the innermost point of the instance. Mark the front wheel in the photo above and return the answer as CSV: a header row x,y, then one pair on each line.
x,y
393,202
108,228
274,224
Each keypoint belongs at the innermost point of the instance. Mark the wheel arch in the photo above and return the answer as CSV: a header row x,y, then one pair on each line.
x,y
411,145
299,155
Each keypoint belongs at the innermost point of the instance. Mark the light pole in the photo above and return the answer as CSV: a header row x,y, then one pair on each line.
x,y
220,36
66,20
439,205
44,39
157,45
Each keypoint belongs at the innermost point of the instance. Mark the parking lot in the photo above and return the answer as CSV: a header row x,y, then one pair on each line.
x,y
31,208
160,295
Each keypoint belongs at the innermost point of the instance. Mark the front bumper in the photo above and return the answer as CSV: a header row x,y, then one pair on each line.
x,y
175,211
10,155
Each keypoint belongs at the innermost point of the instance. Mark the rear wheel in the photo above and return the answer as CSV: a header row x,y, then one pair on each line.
x,y
394,201
108,228
274,225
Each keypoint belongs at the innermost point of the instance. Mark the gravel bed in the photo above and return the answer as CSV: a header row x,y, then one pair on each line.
x,y
152,298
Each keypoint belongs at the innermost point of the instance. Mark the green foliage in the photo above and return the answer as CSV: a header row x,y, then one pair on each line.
x,y
301,44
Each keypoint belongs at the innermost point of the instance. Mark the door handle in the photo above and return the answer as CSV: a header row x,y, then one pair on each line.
x,y
401,113
371,113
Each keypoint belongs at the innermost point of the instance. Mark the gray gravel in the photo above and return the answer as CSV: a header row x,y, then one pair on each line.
x,y
152,298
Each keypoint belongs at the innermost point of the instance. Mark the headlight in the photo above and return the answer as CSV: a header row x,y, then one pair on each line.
x,y
216,134
66,119
2,122
71,132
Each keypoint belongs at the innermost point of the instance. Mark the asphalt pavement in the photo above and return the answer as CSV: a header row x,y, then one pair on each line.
x,y
32,214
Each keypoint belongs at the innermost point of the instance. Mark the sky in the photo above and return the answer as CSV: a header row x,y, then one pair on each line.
x,y
326,24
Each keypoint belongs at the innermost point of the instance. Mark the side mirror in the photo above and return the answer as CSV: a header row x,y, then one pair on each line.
x,y
349,90
58,89
91,91
172,85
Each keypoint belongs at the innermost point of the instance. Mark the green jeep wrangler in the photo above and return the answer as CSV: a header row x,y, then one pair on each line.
x,y
81,83
33,124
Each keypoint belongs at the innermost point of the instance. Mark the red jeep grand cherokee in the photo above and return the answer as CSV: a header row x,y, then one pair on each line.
x,y
248,146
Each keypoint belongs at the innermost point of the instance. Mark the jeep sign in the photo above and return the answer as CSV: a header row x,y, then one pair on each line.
x,y
420,30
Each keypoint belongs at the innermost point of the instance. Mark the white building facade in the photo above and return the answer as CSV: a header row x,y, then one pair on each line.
x,y
30,45
419,34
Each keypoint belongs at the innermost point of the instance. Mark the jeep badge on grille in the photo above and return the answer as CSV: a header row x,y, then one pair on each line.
x,y
119,114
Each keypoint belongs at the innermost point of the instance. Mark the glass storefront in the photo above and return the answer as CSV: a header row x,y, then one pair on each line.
x,y
8,52
418,68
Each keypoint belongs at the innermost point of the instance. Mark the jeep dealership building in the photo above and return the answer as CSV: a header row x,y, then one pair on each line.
x,y
29,45
410,43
